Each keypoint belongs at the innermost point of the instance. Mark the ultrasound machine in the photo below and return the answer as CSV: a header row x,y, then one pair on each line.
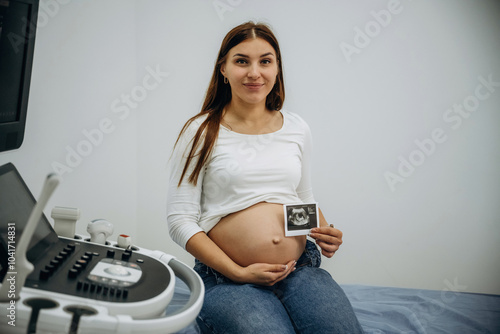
x,y
51,280
75,284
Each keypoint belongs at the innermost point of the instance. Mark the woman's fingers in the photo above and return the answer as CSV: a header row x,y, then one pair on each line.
x,y
328,239
282,271
269,274
327,249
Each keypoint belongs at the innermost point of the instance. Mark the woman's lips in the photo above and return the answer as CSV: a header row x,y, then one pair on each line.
x,y
253,86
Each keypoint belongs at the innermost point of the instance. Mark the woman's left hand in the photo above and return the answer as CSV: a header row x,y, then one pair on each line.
x,y
328,239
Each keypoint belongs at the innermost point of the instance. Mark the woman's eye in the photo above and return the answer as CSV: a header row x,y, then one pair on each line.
x,y
241,61
266,61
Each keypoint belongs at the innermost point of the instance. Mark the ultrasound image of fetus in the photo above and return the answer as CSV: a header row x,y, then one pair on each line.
x,y
298,217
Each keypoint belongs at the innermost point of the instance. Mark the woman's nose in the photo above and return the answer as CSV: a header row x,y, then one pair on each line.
x,y
253,71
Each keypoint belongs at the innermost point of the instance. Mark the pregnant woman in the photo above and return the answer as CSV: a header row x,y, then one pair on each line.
x,y
234,166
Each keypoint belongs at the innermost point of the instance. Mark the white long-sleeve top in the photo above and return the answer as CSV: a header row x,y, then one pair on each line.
x,y
242,170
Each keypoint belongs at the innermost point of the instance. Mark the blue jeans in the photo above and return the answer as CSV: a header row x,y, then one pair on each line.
x,y
307,301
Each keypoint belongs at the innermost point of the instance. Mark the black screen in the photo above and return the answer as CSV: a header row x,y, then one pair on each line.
x,y
17,36
16,204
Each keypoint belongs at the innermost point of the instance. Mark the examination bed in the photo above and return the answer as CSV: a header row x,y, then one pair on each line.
x,y
415,311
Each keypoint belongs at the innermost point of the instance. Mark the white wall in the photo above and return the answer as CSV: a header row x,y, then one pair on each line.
x,y
437,227
85,58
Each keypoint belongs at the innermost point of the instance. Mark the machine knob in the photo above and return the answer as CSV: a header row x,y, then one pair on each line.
x,y
50,268
126,255
77,267
55,263
44,274
82,262
73,273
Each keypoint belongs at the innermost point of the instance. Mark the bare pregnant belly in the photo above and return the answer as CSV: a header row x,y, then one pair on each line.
x,y
257,235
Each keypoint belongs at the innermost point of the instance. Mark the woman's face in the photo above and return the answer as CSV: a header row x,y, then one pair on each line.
x,y
251,68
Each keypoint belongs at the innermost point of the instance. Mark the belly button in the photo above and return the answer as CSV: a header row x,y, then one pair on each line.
x,y
276,240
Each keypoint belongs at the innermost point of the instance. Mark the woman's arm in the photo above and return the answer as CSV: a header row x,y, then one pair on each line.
x,y
206,251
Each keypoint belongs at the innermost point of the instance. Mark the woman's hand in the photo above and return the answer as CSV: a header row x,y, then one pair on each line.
x,y
264,274
205,250
328,239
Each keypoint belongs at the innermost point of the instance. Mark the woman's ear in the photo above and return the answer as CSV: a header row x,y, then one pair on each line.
x,y
223,69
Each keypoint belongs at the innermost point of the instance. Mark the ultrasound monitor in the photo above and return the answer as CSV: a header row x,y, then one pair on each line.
x,y
16,204
17,41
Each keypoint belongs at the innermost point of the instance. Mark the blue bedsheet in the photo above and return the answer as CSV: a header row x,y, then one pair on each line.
x,y
398,310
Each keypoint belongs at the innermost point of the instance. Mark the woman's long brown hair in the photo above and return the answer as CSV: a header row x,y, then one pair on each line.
x,y
219,95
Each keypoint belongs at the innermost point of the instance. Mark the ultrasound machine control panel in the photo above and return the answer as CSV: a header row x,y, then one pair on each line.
x,y
62,284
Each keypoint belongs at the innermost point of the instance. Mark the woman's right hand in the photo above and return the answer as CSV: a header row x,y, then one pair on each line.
x,y
264,273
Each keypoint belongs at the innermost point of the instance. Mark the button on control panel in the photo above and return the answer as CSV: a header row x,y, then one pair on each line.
x,y
56,262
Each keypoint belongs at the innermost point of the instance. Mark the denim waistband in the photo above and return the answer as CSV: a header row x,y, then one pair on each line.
x,y
311,257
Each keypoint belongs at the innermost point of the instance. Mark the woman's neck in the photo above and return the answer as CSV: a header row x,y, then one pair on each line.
x,y
247,112
251,119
